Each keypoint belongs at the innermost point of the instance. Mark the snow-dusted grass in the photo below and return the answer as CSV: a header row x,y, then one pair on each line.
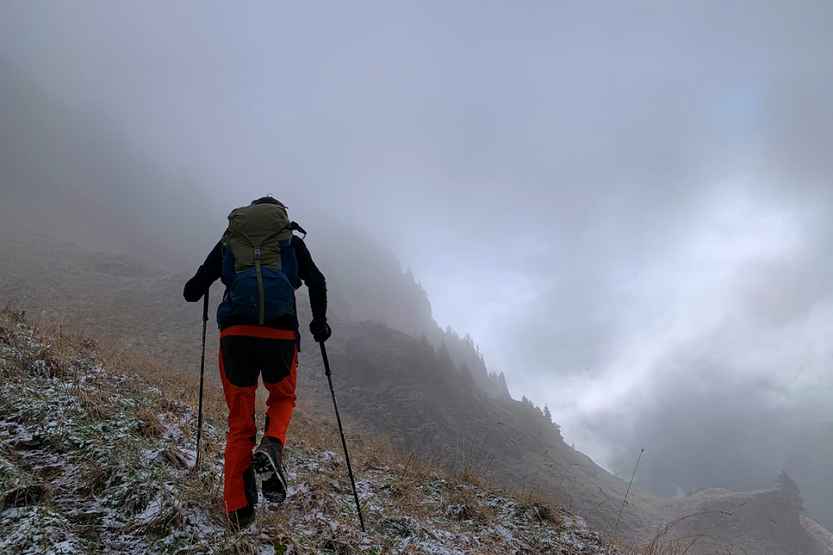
x,y
86,464
96,456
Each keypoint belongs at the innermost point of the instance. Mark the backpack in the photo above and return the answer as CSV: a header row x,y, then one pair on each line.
x,y
260,270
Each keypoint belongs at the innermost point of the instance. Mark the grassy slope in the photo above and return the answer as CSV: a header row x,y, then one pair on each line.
x,y
95,450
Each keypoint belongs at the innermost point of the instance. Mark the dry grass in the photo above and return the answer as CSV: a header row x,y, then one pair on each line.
x,y
178,388
667,542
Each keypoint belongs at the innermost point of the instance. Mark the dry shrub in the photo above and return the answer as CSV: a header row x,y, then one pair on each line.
x,y
167,516
150,427
462,511
315,501
539,512
335,546
96,403
25,495
175,457
97,477
664,544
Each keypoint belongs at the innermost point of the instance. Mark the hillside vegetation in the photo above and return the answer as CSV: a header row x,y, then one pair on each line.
x,y
97,456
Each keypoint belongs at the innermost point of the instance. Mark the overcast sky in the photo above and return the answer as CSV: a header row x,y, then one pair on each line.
x,y
627,204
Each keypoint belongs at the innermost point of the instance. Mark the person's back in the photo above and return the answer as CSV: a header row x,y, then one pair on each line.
x,y
261,262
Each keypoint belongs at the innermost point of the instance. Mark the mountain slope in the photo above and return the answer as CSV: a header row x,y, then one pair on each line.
x,y
391,381
387,381
94,457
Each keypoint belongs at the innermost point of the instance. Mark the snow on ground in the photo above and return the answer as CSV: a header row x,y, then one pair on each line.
x,y
94,460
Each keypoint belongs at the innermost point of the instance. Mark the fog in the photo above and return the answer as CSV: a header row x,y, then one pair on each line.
x,y
627,205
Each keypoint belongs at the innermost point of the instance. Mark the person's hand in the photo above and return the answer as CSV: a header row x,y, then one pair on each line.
x,y
196,287
320,330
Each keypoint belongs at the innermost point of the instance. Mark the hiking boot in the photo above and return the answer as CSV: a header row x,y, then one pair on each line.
x,y
241,518
268,462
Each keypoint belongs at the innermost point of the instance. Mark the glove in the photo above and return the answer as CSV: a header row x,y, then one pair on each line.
x,y
196,287
320,330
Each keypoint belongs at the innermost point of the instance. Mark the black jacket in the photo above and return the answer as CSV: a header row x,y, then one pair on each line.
x,y
309,273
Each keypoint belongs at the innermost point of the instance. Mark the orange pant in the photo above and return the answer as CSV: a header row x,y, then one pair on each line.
x,y
246,353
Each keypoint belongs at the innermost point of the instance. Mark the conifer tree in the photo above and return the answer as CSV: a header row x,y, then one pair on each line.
x,y
789,489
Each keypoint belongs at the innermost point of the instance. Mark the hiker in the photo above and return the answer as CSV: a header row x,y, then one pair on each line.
x,y
261,262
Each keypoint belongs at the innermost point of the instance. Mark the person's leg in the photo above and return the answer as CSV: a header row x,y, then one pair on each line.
x,y
279,379
239,374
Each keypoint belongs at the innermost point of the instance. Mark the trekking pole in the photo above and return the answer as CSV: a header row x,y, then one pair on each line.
x,y
202,374
341,431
